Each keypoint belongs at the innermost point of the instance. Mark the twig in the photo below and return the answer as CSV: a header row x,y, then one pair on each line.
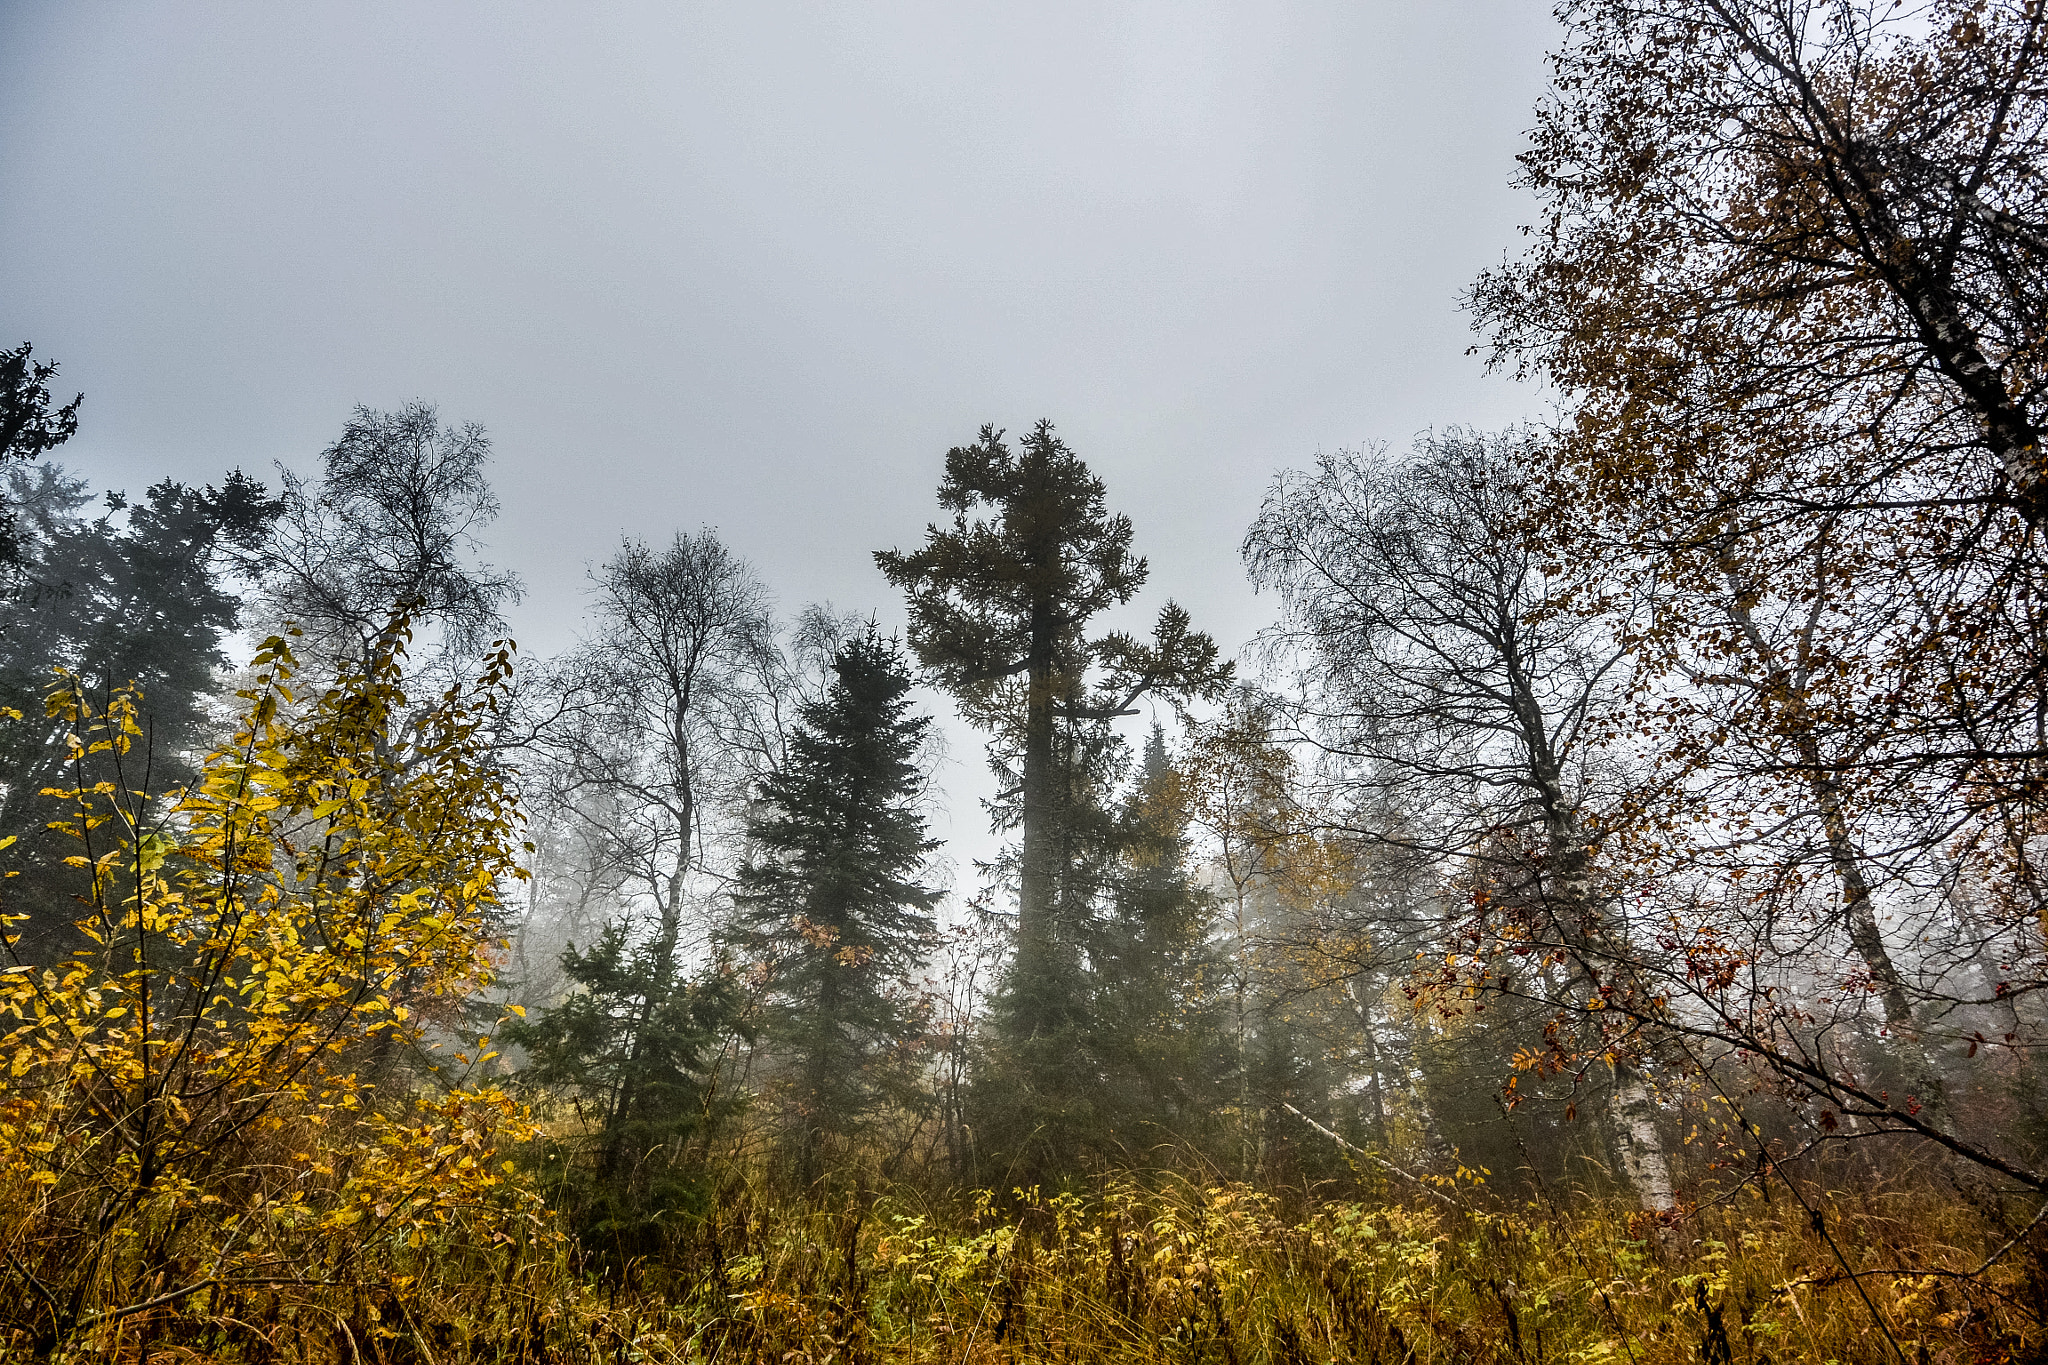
x,y
1973,1276
214,1282
56,1313
1814,1216
2019,1237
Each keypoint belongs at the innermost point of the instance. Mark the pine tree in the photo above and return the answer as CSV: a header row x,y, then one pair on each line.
x,y
831,897
1000,608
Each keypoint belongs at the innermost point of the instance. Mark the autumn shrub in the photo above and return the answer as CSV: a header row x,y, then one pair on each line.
x,y
211,1136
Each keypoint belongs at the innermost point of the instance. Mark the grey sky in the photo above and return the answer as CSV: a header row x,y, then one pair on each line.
x,y
757,265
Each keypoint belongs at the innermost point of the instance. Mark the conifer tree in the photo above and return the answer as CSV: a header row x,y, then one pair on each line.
x,y
636,1053
999,613
28,427
135,597
1154,1017
832,897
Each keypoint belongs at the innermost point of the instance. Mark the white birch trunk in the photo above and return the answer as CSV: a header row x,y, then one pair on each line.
x,y
1639,1144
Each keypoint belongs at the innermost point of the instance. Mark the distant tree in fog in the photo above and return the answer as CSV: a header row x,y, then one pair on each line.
x,y
393,518
29,426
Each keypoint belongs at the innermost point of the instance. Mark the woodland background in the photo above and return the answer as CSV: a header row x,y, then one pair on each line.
x,y
1600,917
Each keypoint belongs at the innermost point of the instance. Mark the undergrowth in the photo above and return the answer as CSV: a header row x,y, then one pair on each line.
x,y
1223,1273
1170,1271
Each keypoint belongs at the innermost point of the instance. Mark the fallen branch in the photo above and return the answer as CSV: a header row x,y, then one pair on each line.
x,y
1427,1187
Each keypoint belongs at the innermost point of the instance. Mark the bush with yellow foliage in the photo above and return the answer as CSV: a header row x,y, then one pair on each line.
x,y
208,1139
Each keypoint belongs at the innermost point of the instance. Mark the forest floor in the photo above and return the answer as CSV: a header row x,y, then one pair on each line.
x,y
1171,1271
1164,1269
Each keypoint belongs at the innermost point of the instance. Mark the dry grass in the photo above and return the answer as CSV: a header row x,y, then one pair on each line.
x,y
1171,1271
1183,1273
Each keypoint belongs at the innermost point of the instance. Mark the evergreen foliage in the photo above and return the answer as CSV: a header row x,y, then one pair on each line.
x,y
1045,1095
831,898
1615,927
1155,1015
1000,606
28,427
118,600
637,1056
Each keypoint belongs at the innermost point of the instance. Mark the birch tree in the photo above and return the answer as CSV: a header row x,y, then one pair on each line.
x,y
1448,694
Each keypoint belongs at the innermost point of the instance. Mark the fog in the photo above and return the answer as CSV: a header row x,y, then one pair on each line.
x,y
756,267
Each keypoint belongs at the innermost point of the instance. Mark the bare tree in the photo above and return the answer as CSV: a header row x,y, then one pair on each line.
x,y
1825,217
1790,276
1757,702
1691,881
1449,694
646,743
392,522
671,710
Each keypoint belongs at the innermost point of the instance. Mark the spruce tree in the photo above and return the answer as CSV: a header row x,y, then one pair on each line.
x,y
636,1053
1154,1021
137,595
831,897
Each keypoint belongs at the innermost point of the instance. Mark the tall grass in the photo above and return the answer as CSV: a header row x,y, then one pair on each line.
x,y
1180,1272
1164,1269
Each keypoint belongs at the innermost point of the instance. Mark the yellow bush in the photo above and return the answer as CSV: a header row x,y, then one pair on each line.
x,y
204,1116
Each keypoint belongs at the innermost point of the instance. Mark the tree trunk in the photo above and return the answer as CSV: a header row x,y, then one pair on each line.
x,y
1037,872
628,1102
824,1060
1927,292
1859,912
1374,1095
1638,1142
1632,1106
1242,982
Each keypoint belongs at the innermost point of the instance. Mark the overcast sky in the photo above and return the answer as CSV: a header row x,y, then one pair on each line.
x,y
757,265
